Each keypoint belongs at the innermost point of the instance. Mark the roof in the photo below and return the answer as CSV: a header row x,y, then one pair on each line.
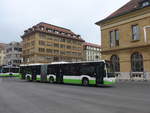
x,y
2,45
92,45
128,7
57,28
53,30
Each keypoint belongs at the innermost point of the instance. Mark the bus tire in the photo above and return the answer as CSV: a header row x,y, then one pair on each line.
x,y
51,79
85,82
28,78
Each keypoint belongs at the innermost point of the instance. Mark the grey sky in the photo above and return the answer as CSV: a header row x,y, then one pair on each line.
x,y
77,15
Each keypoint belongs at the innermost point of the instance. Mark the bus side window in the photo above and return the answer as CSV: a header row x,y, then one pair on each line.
x,y
87,69
65,70
51,70
69,70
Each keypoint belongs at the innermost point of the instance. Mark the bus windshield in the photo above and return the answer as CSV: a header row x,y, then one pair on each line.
x,y
109,70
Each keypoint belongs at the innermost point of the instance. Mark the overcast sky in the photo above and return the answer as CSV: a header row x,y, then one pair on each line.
x,y
77,15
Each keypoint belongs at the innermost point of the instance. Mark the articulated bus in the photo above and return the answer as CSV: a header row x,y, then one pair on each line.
x,y
85,73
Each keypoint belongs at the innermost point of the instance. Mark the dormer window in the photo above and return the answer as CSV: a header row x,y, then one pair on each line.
x,y
145,3
56,32
42,28
26,31
49,30
63,33
69,34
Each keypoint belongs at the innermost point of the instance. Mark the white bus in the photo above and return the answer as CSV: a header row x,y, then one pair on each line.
x,y
85,73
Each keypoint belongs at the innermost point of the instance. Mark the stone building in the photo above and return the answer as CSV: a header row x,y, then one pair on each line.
x,y
2,53
92,52
45,43
126,39
13,52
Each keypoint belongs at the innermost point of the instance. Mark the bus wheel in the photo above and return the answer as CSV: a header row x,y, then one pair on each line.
x,y
51,79
28,78
85,82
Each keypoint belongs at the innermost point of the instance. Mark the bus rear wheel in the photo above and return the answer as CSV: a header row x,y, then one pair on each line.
x,y
85,82
51,80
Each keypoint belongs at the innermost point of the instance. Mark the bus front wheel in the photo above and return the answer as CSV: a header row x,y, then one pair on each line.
x,y
85,82
51,79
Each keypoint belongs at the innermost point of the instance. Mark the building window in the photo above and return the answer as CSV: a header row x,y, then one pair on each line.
x,y
68,41
62,46
114,38
32,43
62,52
135,32
137,62
48,50
41,42
68,47
41,49
56,45
56,51
49,44
41,35
56,39
115,63
62,40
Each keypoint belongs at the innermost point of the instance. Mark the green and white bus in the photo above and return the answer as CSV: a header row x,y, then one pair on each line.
x,y
85,73
9,71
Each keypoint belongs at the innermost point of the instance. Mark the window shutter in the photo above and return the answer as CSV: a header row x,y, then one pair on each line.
x,y
138,33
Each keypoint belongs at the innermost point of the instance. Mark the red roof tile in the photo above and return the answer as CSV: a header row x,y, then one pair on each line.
x,y
50,26
92,45
2,45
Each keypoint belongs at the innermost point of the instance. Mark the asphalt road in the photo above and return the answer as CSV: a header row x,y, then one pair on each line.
x,y
17,96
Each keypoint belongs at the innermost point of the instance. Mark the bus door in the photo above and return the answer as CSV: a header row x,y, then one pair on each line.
x,y
99,73
33,72
55,70
23,72
43,73
59,76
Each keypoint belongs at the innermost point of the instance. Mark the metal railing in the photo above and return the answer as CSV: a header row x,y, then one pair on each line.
x,y
132,76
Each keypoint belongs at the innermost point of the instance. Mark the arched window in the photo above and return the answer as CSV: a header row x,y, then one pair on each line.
x,y
137,62
115,63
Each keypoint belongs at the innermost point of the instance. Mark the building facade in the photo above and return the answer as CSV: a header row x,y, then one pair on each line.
x,y
13,54
2,53
45,43
126,39
92,52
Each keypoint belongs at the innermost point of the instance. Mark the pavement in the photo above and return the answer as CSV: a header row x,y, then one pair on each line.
x,y
19,96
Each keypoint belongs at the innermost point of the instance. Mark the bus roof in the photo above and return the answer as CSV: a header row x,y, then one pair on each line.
x,y
36,64
10,66
60,62
77,62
